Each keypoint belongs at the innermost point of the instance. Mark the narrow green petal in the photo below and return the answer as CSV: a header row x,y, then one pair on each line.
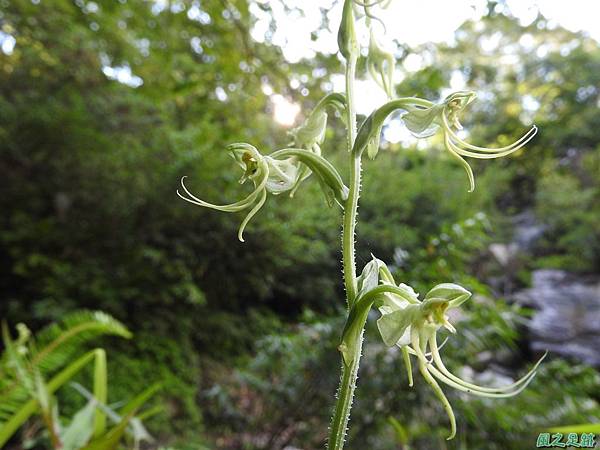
x,y
407,364
517,144
423,368
232,207
251,214
477,392
442,397
463,163
469,154
440,365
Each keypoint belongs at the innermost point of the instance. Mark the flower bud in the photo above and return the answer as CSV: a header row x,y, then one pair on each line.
x,y
380,64
347,42
312,131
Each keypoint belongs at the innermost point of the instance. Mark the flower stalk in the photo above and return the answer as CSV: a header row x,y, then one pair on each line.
x,y
349,372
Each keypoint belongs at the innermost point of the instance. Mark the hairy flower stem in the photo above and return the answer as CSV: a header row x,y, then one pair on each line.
x,y
345,394
351,206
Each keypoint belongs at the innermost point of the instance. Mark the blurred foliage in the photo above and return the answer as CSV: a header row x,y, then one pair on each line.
x,y
568,198
89,168
26,389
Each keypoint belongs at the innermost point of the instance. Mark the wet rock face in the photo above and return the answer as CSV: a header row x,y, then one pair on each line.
x,y
527,230
567,320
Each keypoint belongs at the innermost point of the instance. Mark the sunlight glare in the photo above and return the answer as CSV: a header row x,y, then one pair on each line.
x,y
284,111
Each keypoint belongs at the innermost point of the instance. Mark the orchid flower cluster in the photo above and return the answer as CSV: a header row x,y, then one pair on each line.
x,y
406,322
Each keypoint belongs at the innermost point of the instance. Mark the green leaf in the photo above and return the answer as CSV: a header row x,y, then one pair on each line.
x,y
60,341
79,431
401,432
136,427
100,391
140,399
24,411
111,440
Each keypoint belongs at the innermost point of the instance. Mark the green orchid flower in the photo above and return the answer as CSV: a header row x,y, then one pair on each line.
x,y
425,121
424,118
274,174
412,325
414,328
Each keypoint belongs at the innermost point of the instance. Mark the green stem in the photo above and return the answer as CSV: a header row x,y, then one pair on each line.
x,y
345,394
341,415
351,206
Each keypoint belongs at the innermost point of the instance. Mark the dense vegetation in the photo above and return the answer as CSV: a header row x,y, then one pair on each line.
x,y
241,336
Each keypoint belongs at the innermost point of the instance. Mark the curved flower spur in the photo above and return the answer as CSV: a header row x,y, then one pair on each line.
x,y
276,173
412,325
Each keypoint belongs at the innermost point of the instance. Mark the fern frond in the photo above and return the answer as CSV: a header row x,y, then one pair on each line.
x,y
30,406
58,342
52,349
